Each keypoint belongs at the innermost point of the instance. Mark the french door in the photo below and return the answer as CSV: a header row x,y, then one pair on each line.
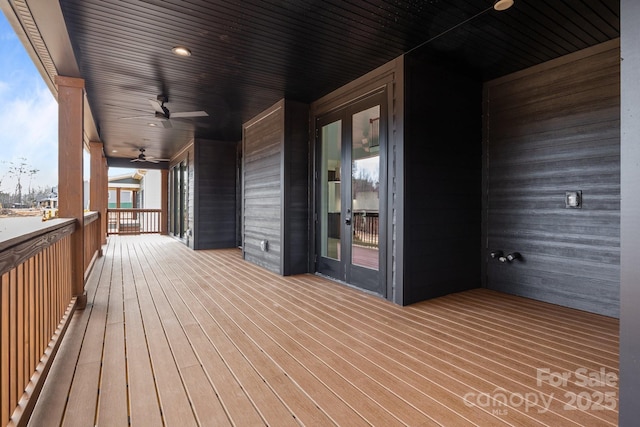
x,y
350,194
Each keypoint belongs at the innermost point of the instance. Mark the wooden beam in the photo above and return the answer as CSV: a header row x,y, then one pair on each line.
x,y
70,165
164,201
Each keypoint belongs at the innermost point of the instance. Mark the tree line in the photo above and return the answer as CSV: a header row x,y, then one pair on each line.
x,y
20,172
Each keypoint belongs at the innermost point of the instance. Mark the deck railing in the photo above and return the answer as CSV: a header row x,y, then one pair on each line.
x,y
92,240
365,228
134,221
35,302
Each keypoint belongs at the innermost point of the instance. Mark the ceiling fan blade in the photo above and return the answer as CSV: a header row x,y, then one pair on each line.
x,y
155,159
167,124
136,117
157,105
187,114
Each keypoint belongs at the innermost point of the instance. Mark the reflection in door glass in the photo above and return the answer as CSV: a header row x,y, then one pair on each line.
x,y
330,219
365,185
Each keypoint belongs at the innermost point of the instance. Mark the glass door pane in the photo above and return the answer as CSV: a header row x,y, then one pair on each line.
x,y
365,188
330,190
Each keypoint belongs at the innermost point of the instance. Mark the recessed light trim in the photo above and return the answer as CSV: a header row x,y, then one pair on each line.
x,y
181,51
153,125
114,151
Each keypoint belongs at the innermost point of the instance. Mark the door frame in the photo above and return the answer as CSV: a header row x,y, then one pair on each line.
x,y
353,273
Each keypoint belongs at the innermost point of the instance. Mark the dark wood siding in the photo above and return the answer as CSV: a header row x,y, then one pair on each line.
x,y
295,192
275,188
551,129
215,194
442,179
262,148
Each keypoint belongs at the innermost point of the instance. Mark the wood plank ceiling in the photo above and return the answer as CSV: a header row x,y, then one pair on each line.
x,y
247,55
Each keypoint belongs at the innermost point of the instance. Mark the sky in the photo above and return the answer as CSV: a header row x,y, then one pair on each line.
x,y
28,116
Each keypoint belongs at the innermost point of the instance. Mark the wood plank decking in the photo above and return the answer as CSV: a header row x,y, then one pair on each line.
x,y
178,337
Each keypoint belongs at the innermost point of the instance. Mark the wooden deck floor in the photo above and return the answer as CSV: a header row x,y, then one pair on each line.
x,y
176,337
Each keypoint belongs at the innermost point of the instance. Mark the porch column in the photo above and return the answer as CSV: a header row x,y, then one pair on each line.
x,y
70,185
98,187
105,199
164,202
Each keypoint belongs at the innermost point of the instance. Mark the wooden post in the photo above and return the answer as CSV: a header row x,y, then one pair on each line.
x,y
105,199
98,184
70,185
164,202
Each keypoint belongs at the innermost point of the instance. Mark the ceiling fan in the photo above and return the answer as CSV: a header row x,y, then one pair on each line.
x,y
163,114
144,158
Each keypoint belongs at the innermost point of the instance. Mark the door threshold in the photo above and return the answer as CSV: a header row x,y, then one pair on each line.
x,y
357,288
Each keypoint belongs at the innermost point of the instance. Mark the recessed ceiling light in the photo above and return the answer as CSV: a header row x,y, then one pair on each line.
x,y
114,151
181,51
153,125
501,5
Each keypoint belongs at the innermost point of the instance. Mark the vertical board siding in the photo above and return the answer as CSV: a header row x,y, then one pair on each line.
x,y
548,130
215,194
442,158
262,199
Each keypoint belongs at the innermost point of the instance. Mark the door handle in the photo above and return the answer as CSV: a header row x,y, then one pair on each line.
x,y
347,220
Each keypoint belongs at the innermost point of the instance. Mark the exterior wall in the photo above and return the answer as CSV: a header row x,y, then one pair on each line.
x,y
442,178
551,129
215,194
262,199
630,216
295,189
275,188
150,186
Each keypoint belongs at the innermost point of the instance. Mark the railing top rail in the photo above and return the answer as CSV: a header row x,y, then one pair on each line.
x,y
133,210
89,217
29,238
26,231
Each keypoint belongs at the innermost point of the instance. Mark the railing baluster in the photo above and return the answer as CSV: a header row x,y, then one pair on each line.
x,y
35,294
134,221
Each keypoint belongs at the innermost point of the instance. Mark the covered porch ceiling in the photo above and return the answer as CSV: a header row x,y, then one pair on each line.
x,y
247,55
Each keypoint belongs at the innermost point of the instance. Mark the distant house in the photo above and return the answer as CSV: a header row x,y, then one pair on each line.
x,y
48,202
140,189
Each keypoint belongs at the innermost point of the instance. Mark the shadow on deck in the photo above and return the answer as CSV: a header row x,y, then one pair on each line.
x,y
186,337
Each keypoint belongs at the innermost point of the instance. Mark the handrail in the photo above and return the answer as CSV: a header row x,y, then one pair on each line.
x,y
35,303
18,245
